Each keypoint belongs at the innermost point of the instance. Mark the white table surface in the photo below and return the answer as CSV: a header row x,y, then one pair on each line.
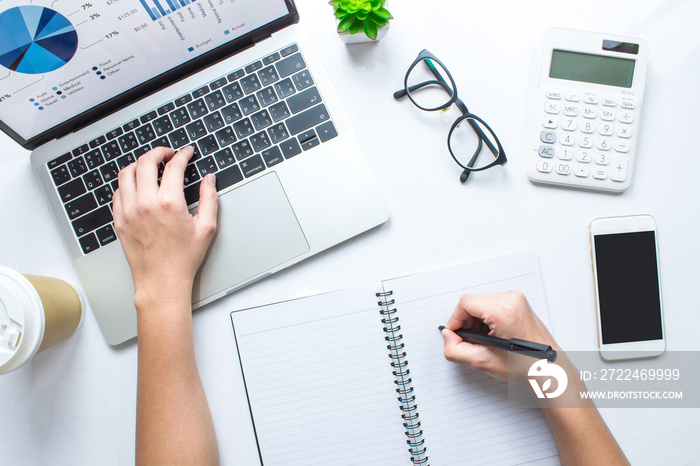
x,y
75,404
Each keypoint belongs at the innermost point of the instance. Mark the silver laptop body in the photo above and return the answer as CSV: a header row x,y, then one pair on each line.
x,y
282,206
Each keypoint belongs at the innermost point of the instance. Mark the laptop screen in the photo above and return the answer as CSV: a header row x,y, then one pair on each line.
x,y
59,59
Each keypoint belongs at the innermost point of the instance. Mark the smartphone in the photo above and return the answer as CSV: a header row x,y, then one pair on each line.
x,y
627,282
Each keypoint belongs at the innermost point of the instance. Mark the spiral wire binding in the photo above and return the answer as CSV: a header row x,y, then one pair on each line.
x,y
407,400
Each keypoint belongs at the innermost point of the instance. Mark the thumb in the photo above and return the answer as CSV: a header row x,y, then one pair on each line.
x,y
458,350
208,206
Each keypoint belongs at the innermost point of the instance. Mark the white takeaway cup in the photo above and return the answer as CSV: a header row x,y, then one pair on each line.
x,y
36,313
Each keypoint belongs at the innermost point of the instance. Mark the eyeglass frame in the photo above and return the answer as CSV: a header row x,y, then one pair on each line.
x,y
501,159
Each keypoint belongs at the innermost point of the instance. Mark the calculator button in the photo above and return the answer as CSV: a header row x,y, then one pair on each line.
x,y
607,115
601,158
602,144
567,139
553,95
605,129
570,110
544,166
583,156
550,123
624,131
610,102
585,141
567,124
627,104
600,173
590,99
622,146
546,151
626,117
565,154
587,127
618,169
572,97
551,107
589,112
581,172
548,136
562,168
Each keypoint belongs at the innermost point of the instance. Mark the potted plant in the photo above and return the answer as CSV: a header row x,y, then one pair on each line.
x,y
361,20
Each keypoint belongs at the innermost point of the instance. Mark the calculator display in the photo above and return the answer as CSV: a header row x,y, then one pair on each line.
x,y
596,69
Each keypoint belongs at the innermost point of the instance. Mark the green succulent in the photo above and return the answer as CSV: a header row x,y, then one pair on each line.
x,y
356,15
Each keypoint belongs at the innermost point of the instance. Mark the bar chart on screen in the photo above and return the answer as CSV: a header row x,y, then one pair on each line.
x,y
159,8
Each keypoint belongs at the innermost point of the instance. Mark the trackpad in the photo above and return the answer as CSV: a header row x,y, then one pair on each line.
x,y
257,231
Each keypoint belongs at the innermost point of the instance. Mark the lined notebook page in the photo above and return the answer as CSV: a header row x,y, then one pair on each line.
x,y
463,412
319,381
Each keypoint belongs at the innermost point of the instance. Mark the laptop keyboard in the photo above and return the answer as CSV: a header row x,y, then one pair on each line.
x,y
239,125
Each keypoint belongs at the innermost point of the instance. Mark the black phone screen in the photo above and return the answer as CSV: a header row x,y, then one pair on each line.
x,y
628,287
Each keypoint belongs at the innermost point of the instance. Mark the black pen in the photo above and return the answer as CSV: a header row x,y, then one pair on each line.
x,y
529,348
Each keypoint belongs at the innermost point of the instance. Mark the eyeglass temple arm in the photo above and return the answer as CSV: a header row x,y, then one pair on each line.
x,y
441,81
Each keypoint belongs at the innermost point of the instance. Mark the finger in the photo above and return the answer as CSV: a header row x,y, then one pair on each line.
x,y
174,174
127,184
147,170
208,207
464,352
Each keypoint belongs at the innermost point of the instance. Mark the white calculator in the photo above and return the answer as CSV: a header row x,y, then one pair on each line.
x,y
588,107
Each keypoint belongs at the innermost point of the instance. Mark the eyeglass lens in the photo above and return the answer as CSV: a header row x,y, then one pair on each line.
x,y
429,85
469,143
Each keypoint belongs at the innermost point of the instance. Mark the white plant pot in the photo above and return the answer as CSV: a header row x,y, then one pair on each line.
x,y
361,38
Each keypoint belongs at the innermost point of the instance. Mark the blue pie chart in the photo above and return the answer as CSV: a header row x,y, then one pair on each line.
x,y
35,39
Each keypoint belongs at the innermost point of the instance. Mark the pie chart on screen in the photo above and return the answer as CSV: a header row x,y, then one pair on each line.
x,y
35,39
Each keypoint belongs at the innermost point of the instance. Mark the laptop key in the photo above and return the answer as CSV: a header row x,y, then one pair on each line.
x,y
208,145
72,190
304,100
106,234
125,160
180,117
59,160
271,58
109,171
232,92
132,125
235,75
94,159
197,108
196,130
200,92
145,134
80,206
213,122
272,156
260,141
77,167
103,194
268,75
149,116
267,96
93,179
231,113
128,142
169,107
160,142
242,150
218,83
225,137
250,83
224,158
92,221
290,148
252,166
307,119
60,175
243,128
228,177
215,100
114,133
278,133
326,131
89,243
162,125
303,80
80,150
178,138
289,50
191,174
206,165
290,65
253,67
97,142
279,111
180,101
249,105
261,120
111,150
140,151
192,193
285,88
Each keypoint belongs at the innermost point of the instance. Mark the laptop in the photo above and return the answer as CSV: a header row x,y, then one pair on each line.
x,y
90,88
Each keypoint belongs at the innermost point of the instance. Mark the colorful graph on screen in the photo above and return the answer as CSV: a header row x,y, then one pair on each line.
x,y
35,39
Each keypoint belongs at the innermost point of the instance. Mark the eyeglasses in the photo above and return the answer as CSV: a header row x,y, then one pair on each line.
x,y
431,87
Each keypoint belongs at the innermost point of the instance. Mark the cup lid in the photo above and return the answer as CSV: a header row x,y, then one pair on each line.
x,y
21,320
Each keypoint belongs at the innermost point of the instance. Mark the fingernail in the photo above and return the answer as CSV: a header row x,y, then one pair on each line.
x,y
211,179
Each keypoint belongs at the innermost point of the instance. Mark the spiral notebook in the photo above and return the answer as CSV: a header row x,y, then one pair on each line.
x,y
358,376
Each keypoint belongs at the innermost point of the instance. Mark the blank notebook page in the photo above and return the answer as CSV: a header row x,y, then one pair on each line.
x,y
463,412
319,381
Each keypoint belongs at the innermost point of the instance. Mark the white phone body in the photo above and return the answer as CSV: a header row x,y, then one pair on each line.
x,y
588,110
627,282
